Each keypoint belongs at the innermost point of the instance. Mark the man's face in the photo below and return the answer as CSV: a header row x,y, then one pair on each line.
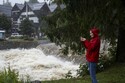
x,y
91,34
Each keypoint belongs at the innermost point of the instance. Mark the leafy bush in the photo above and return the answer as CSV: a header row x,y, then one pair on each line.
x,y
104,62
112,52
9,76
69,75
28,38
83,70
16,37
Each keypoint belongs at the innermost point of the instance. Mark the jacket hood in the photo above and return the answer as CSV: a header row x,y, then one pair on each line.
x,y
95,31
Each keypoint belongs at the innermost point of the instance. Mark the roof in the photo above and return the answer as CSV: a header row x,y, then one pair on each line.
x,y
36,6
6,10
20,6
52,7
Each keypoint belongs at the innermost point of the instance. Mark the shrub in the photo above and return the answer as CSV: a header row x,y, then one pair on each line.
x,y
9,76
83,70
69,75
104,62
28,38
16,37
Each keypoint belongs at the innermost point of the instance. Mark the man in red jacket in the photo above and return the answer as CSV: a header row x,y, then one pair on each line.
x,y
92,49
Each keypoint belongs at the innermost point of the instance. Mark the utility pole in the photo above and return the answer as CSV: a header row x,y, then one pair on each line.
x,y
3,2
26,10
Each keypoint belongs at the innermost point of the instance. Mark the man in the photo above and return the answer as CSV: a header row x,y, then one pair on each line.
x,y
92,52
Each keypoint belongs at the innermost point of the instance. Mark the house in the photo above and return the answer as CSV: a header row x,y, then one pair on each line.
x,y
32,11
2,34
6,3
53,6
15,13
6,10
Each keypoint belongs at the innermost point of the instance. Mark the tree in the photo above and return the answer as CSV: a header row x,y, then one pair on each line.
x,y
5,23
33,1
66,26
26,27
120,57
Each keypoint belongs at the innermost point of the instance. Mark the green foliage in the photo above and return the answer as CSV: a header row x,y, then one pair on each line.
x,y
83,70
69,75
112,53
65,26
104,62
5,23
63,32
114,74
27,38
16,37
9,76
26,27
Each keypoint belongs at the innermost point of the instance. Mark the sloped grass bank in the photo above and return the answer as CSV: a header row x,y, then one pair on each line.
x,y
113,74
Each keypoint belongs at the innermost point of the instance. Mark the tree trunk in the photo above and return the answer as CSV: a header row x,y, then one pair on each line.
x,y
120,56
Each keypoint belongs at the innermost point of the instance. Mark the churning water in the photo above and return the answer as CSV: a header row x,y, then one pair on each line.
x,y
34,63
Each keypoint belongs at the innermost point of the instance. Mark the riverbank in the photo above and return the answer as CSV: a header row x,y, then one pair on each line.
x,y
20,43
17,44
113,74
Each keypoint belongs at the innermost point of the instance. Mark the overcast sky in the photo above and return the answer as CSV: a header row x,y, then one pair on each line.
x,y
17,1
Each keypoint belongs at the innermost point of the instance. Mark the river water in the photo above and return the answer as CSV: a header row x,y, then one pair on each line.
x,y
35,64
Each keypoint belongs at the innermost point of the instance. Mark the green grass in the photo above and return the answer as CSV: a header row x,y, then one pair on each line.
x,y
113,74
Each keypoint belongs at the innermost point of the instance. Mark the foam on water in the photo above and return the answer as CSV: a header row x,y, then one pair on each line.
x,y
36,64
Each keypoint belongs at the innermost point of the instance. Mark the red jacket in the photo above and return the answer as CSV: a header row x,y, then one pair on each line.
x,y
92,47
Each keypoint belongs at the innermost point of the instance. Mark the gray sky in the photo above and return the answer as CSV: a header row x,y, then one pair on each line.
x,y
17,1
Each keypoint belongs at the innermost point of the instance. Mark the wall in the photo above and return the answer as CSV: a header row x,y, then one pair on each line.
x,y
17,44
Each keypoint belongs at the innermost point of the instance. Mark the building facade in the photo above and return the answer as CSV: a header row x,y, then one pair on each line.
x,y
15,13
32,11
6,10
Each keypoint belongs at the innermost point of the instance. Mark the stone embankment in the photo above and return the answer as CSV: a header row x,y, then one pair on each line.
x,y
17,44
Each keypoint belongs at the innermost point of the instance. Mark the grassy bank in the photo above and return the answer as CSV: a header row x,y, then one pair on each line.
x,y
113,74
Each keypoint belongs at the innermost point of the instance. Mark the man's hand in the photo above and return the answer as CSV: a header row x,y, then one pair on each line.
x,y
82,39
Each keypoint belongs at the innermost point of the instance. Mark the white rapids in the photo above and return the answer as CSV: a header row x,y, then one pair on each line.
x,y
34,63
